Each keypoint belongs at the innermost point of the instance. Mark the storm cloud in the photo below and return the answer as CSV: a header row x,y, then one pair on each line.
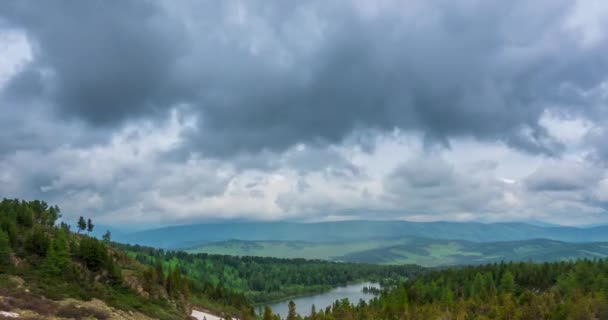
x,y
281,105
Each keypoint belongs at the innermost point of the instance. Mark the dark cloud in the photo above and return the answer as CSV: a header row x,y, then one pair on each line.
x,y
265,76
104,60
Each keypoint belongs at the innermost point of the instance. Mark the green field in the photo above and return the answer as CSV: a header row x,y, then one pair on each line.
x,y
424,252
294,249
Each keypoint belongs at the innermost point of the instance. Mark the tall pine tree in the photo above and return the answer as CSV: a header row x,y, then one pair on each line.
x,y
291,312
58,256
82,224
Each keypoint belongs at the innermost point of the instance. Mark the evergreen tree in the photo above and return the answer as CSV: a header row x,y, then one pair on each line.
x,y
54,213
93,253
107,237
150,280
10,228
37,242
507,283
58,256
267,313
90,225
5,250
291,313
25,216
66,227
82,224
158,266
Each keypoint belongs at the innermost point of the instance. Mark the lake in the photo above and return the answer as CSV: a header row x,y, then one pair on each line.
x,y
303,304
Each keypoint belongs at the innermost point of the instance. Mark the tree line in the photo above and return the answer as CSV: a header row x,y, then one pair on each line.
x,y
263,279
508,291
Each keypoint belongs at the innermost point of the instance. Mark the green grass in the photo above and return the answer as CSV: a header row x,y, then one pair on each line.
x,y
293,249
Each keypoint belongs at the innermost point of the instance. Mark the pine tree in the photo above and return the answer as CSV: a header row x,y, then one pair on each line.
x,y
25,217
58,256
267,313
291,313
245,313
158,266
5,250
82,224
150,280
37,242
507,283
11,231
54,213
90,225
66,227
107,237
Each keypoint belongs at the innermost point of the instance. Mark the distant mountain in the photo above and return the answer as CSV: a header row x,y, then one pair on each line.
x,y
432,252
190,236
425,252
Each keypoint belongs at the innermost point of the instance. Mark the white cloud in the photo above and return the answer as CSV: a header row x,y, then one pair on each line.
x,y
492,111
15,52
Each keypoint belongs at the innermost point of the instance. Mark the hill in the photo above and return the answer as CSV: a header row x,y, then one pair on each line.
x,y
421,251
47,270
431,252
191,236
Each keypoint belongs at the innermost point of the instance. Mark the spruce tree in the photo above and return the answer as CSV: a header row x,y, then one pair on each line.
x,y
5,250
291,313
82,224
58,256
267,313
90,225
507,283
107,237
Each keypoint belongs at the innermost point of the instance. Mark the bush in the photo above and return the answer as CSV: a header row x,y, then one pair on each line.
x,y
77,312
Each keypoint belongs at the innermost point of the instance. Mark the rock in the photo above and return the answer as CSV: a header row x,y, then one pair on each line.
x,y
9,314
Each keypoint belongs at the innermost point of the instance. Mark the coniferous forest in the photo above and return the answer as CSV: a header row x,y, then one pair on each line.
x,y
561,290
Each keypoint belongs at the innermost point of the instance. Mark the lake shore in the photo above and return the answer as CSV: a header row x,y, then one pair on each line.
x,y
205,315
353,292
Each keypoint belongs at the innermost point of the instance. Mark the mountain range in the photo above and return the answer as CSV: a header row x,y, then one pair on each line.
x,y
192,236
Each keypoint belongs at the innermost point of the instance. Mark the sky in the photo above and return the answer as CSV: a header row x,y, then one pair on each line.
x,y
174,112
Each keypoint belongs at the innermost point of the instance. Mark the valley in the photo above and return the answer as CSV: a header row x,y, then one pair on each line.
x,y
421,251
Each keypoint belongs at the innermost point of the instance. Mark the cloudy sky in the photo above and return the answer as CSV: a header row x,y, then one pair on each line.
x,y
168,112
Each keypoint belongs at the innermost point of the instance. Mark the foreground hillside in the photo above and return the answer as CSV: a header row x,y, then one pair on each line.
x,y
191,236
421,251
43,265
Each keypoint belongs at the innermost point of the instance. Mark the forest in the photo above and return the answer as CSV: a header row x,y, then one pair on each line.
x,y
527,291
264,280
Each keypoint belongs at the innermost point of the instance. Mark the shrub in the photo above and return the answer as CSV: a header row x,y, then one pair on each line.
x,y
77,312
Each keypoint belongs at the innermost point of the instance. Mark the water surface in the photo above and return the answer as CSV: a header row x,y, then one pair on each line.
x,y
353,292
